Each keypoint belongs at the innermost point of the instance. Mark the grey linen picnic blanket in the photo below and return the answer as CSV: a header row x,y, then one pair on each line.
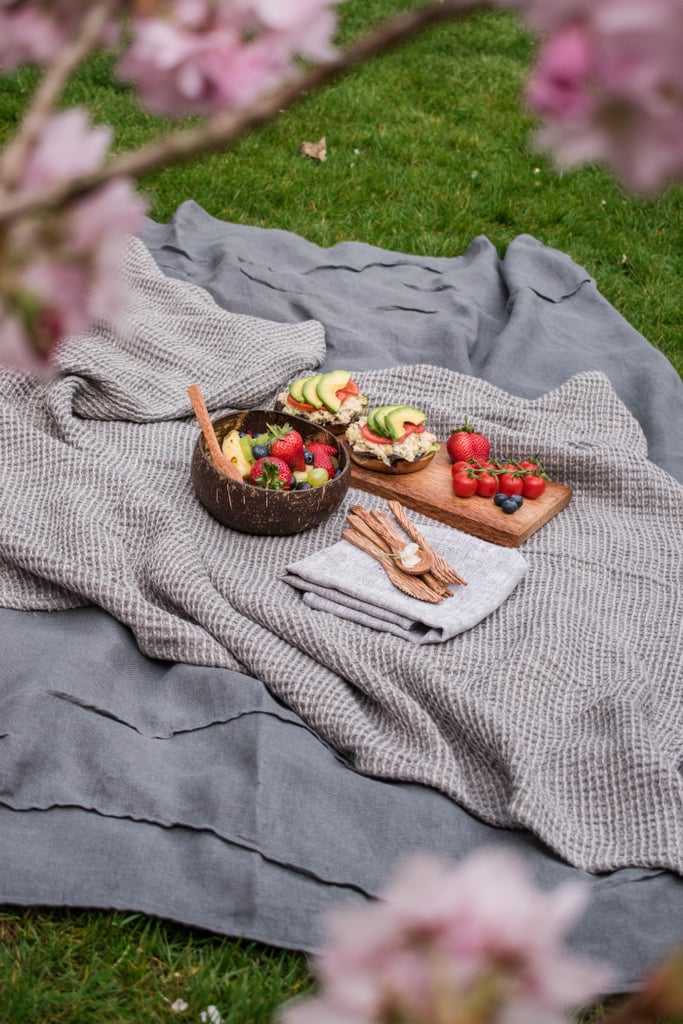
x,y
560,712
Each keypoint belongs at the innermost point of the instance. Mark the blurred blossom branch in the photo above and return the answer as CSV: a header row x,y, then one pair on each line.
x,y
225,127
469,943
50,90
65,210
607,86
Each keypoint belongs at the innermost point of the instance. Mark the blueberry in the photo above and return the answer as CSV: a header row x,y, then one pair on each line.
x,y
518,499
509,506
260,451
308,457
304,486
499,498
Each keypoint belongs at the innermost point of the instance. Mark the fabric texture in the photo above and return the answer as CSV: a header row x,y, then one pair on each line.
x,y
555,752
350,584
526,322
194,793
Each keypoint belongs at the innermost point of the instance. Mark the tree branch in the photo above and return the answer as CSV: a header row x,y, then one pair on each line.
x,y
49,91
224,129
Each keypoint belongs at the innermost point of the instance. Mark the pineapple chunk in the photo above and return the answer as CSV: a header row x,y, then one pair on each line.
x,y
232,449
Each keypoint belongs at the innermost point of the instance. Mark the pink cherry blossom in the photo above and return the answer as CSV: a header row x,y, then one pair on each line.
x,y
307,26
98,228
61,269
27,36
559,86
68,146
34,32
179,72
442,935
15,351
608,85
195,57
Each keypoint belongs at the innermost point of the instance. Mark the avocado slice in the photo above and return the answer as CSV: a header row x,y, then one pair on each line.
x,y
296,389
329,384
309,391
395,420
379,415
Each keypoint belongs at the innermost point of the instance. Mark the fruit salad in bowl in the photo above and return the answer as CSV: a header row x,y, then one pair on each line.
x,y
392,439
290,475
333,400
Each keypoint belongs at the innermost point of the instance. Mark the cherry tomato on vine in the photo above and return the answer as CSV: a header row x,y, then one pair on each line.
x,y
464,485
487,485
509,483
533,486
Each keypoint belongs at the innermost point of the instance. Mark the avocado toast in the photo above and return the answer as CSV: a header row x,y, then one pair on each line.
x,y
392,439
331,399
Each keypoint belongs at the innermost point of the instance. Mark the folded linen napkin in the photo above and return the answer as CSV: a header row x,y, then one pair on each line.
x,y
352,585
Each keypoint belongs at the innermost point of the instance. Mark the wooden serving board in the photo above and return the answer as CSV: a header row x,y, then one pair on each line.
x,y
430,492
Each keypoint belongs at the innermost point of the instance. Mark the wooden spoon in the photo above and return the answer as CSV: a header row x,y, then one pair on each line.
x,y
387,543
440,568
413,587
202,413
395,544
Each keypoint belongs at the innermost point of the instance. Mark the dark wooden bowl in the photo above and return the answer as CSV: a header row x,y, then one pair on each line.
x,y
253,509
398,468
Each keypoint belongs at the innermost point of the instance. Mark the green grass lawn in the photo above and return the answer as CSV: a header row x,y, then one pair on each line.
x,y
428,147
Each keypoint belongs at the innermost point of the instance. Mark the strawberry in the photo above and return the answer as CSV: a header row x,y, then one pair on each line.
x,y
467,443
321,446
272,473
322,456
287,444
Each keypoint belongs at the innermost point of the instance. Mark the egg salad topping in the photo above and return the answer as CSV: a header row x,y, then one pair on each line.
x,y
350,409
414,445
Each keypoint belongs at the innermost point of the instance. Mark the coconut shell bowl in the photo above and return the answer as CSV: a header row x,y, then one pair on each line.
x,y
258,510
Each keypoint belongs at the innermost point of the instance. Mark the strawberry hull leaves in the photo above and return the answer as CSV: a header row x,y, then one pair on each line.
x,y
287,444
272,473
